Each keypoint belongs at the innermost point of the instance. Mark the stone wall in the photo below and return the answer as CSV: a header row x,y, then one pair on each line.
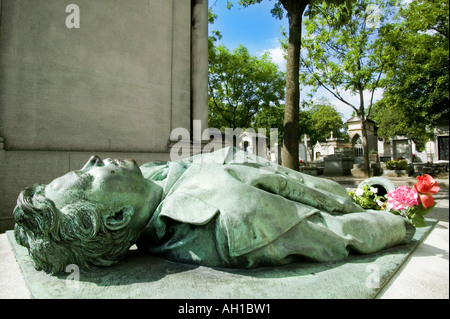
x,y
116,86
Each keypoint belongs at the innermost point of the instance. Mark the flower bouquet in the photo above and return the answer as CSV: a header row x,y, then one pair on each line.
x,y
367,197
411,203
416,202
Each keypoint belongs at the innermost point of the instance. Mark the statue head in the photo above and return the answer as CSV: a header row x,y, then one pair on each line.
x,y
89,217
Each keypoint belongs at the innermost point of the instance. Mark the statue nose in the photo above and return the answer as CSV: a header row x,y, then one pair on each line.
x,y
131,160
93,161
96,161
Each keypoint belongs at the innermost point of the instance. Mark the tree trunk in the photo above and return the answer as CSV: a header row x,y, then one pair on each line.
x,y
295,9
366,162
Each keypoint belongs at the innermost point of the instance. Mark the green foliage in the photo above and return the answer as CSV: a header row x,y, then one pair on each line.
x,y
367,198
417,76
415,214
281,6
324,119
240,86
278,9
271,118
345,57
393,119
397,164
342,54
295,10
317,121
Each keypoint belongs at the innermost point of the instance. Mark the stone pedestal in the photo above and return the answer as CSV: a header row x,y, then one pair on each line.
x,y
141,276
376,169
358,170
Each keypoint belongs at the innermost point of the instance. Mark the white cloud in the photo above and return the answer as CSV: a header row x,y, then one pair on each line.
x,y
277,56
343,108
276,53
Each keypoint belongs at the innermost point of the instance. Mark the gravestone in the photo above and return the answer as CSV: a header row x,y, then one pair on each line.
x,y
338,165
401,147
302,152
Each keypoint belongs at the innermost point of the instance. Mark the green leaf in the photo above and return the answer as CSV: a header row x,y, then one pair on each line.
x,y
424,211
417,220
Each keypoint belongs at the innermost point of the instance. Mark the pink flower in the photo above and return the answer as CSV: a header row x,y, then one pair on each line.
x,y
402,198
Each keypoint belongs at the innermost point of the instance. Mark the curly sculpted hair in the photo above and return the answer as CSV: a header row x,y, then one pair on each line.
x,y
76,234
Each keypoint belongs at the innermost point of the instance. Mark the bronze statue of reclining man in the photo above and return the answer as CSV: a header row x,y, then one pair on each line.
x,y
223,209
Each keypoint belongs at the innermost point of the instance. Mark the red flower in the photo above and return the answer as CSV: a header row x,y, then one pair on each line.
x,y
426,186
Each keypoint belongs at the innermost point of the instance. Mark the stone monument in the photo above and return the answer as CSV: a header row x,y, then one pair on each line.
x,y
108,77
338,162
355,132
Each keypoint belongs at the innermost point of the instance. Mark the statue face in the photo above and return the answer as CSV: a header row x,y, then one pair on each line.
x,y
116,184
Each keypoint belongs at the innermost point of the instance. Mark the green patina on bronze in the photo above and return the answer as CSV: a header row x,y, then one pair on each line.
x,y
226,209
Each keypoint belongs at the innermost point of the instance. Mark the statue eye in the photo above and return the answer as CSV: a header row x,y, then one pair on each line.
x,y
119,219
117,216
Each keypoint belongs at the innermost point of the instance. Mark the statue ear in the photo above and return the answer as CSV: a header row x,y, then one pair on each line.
x,y
119,219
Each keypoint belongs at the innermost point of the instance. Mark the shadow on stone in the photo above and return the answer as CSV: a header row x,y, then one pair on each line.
x,y
142,276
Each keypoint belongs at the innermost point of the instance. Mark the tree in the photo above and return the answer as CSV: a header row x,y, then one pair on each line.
x,y
294,10
416,95
392,121
317,121
240,86
347,57
271,118
325,119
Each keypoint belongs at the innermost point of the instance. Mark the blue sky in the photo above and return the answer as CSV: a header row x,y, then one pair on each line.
x,y
256,29
254,26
